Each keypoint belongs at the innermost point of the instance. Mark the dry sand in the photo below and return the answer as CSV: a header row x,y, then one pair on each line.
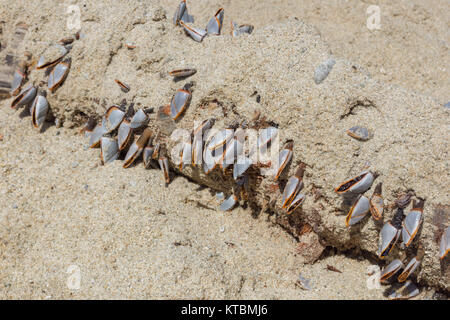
x,y
59,208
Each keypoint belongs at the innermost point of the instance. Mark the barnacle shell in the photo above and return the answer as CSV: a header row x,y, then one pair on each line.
x,y
109,150
388,237
229,203
181,14
53,55
182,73
58,75
358,211
407,291
266,136
232,150
298,200
445,243
411,223
358,184
238,30
186,155
377,203
359,133
96,135
284,158
220,139
391,269
136,148
291,189
124,134
196,151
113,118
123,86
147,155
164,165
409,269
214,26
179,103
39,110
210,160
139,119
196,33
25,97
293,186
18,80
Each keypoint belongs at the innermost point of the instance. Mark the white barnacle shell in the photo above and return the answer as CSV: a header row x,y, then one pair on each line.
x,y
182,73
229,203
407,291
52,56
242,29
214,26
266,136
124,134
136,148
109,149
39,110
113,118
195,33
391,269
359,184
181,14
358,211
186,155
284,158
164,165
232,150
445,243
377,203
409,269
96,135
359,133
179,103
147,155
139,119
58,75
298,200
17,82
388,237
25,97
411,223
293,186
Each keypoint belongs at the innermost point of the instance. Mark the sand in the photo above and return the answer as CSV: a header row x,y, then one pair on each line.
x,y
131,237
61,209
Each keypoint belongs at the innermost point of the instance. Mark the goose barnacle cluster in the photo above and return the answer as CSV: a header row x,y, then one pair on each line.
x,y
362,205
57,66
214,27
399,227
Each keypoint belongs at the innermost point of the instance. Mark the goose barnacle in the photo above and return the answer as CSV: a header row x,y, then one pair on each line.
x,y
25,97
39,109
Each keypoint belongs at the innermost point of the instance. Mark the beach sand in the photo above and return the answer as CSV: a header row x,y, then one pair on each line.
x,y
129,236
